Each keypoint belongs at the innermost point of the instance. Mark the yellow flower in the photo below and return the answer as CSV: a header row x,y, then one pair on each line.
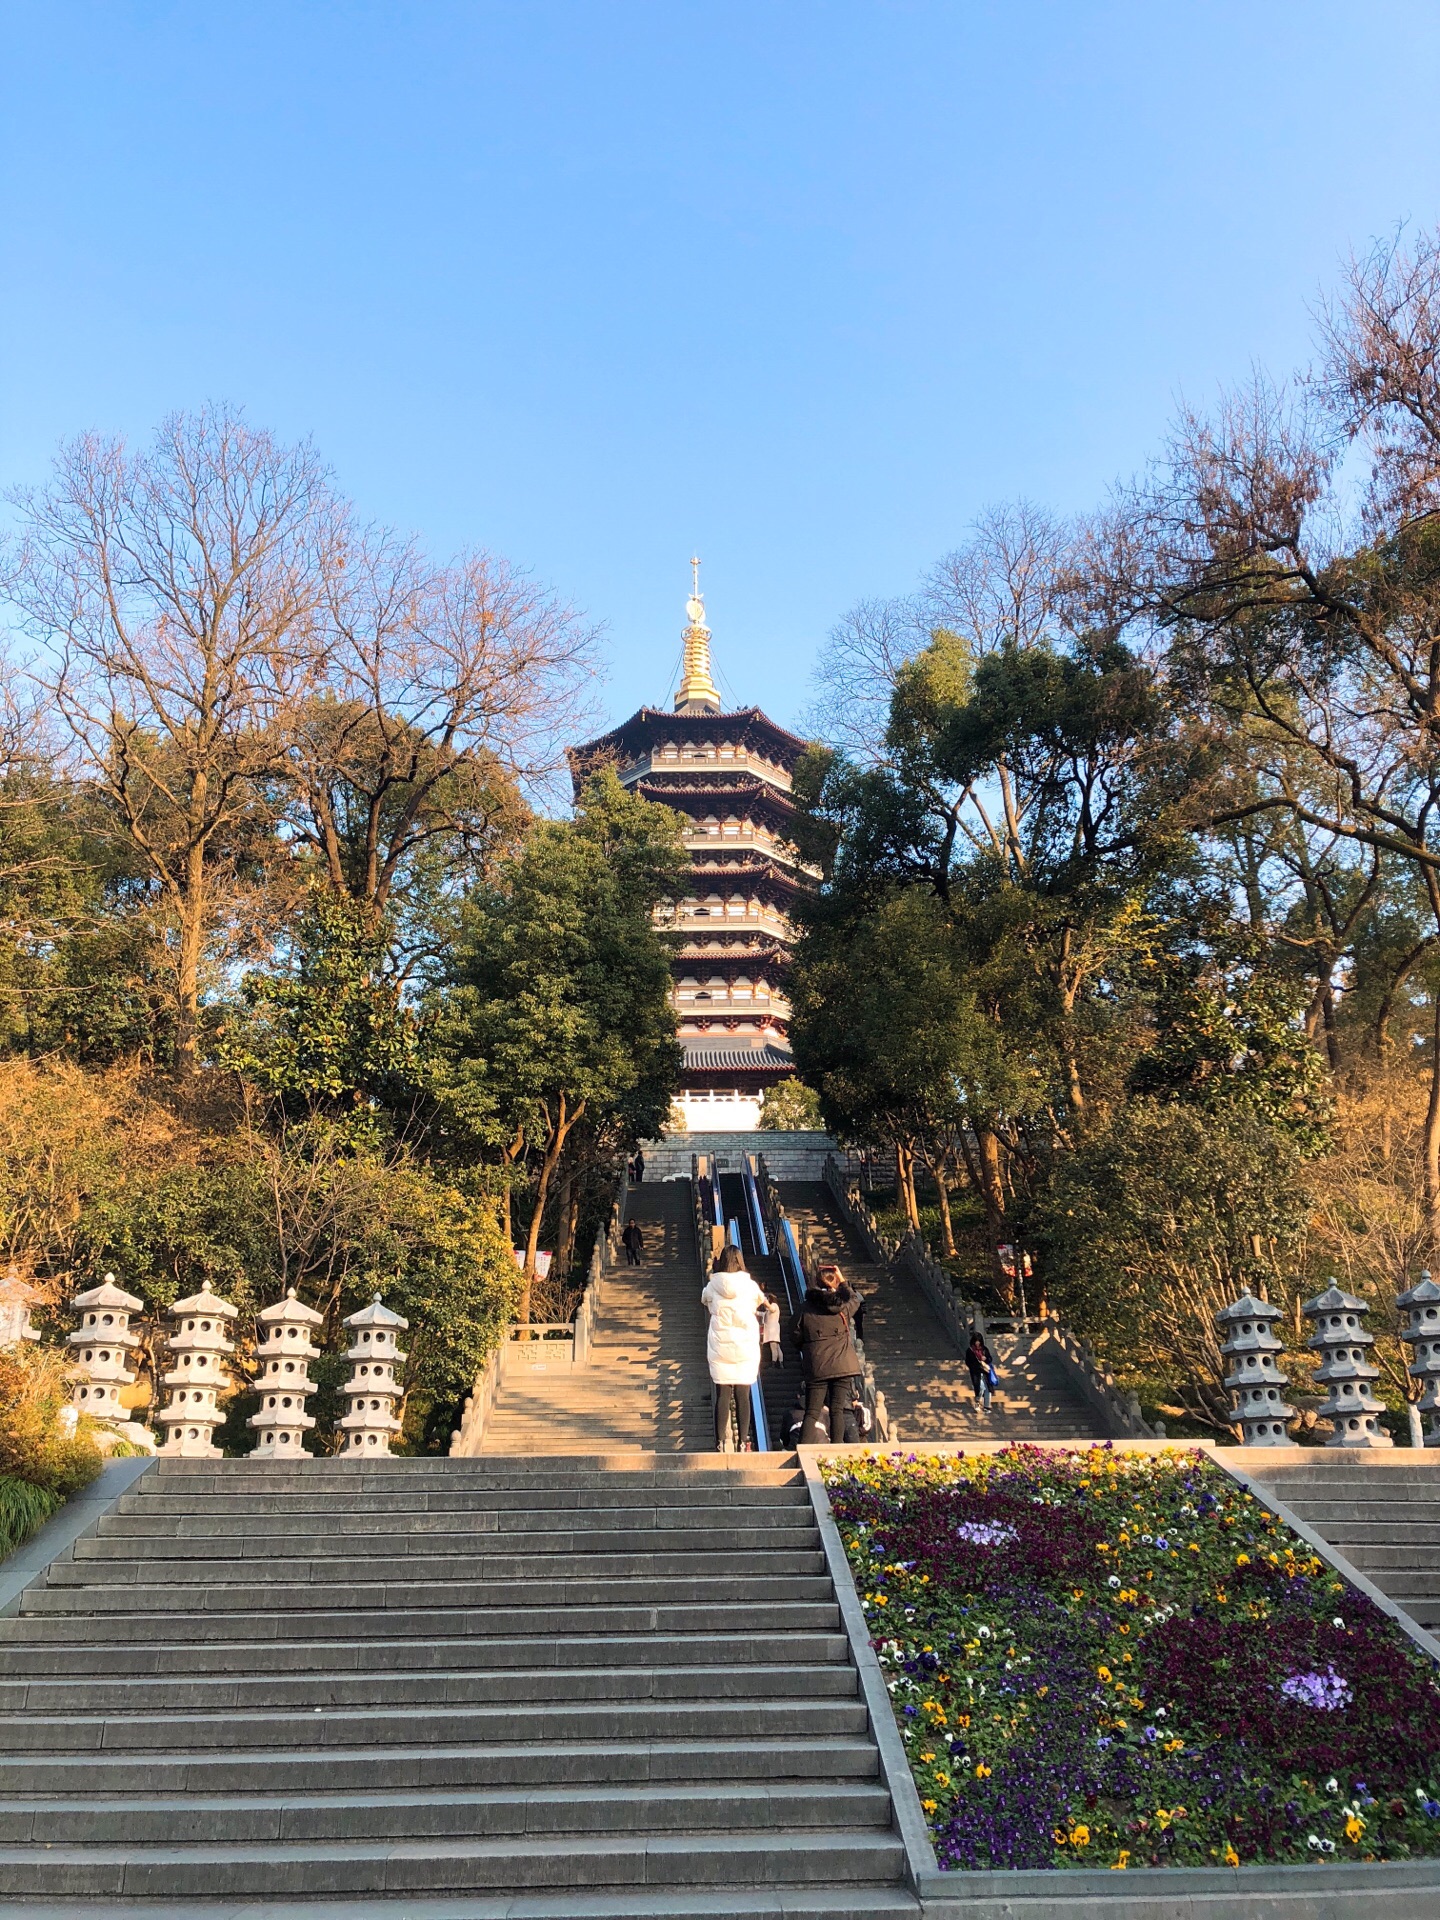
x,y
1354,1827
1080,1837
1162,1817
927,1756
1242,1559
1123,1861
1057,1834
982,1772
929,1805
1232,1859
1193,1547
1104,1672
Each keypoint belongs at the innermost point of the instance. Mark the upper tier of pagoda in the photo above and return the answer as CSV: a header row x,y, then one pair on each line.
x,y
728,775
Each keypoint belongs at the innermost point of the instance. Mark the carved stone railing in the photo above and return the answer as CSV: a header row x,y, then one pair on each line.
x,y
541,1345
1120,1413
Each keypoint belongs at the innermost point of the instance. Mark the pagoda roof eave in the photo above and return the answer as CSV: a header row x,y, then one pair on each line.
x,y
647,720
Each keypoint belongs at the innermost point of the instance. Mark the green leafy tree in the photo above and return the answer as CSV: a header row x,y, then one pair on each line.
x,y
790,1107
560,1011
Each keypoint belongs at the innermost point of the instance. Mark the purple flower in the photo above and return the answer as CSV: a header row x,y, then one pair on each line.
x,y
1324,1691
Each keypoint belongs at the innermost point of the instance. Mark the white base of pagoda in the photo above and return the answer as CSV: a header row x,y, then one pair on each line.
x,y
719,1112
282,1443
191,1442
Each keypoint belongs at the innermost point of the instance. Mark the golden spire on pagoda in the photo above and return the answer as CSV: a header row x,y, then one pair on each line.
x,y
697,689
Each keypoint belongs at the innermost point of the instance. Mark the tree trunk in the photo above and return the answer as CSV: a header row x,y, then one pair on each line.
x,y
1432,1140
992,1192
905,1181
565,1229
191,911
559,1134
947,1231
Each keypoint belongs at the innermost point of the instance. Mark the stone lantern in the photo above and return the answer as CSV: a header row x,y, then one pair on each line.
x,y
284,1382
1421,1327
1256,1382
198,1346
1342,1343
372,1388
17,1297
102,1345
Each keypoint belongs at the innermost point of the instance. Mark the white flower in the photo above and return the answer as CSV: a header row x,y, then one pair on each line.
x,y
1337,1621
1113,1581
983,1632
1332,1785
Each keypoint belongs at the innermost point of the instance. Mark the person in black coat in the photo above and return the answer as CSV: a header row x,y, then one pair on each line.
x,y
823,1331
981,1362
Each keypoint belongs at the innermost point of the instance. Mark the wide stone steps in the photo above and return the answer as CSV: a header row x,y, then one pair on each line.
x,y
234,1658
102,1596
558,1688
720,1762
1382,1514
155,1819
184,1630
151,1693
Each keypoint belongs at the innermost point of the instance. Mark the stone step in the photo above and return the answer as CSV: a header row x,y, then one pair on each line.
x,y
462,1579
1388,1516
155,1820
146,1627
627,1466
540,1861
151,1694
682,1497
735,1475
852,1902
516,1720
765,1755
192,1596
785,1531
1393,1556
170,1657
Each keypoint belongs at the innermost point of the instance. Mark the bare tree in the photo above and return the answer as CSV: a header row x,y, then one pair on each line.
x,y
447,691
1310,635
175,596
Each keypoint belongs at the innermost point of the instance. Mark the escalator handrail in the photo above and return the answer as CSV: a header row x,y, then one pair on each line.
x,y
757,1218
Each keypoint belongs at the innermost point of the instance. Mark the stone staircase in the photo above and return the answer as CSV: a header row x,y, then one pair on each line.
x,y
646,1383
919,1368
1381,1511
541,1687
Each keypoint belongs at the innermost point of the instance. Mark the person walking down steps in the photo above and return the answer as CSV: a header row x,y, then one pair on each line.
x,y
633,1241
824,1335
981,1362
732,1343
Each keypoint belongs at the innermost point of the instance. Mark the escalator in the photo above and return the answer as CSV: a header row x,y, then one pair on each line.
x,y
779,1386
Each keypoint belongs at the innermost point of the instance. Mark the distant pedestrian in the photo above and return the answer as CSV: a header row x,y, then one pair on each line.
x,y
633,1242
981,1362
732,1343
823,1333
770,1328
639,1166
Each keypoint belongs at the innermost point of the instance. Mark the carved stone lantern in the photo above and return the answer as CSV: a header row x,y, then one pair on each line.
x,y
1420,1325
102,1345
372,1388
1255,1380
284,1383
198,1346
1342,1343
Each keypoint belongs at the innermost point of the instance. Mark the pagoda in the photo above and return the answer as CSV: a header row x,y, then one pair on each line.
x,y
729,776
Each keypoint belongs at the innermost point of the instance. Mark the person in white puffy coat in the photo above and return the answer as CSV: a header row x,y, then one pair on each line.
x,y
732,1344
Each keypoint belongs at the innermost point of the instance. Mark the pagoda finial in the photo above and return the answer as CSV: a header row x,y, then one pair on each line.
x,y
697,689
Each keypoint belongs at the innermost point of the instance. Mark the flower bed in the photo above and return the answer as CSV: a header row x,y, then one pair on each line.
x,y
1106,1658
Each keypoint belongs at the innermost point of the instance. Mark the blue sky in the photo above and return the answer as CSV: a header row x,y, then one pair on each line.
x,y
600,283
